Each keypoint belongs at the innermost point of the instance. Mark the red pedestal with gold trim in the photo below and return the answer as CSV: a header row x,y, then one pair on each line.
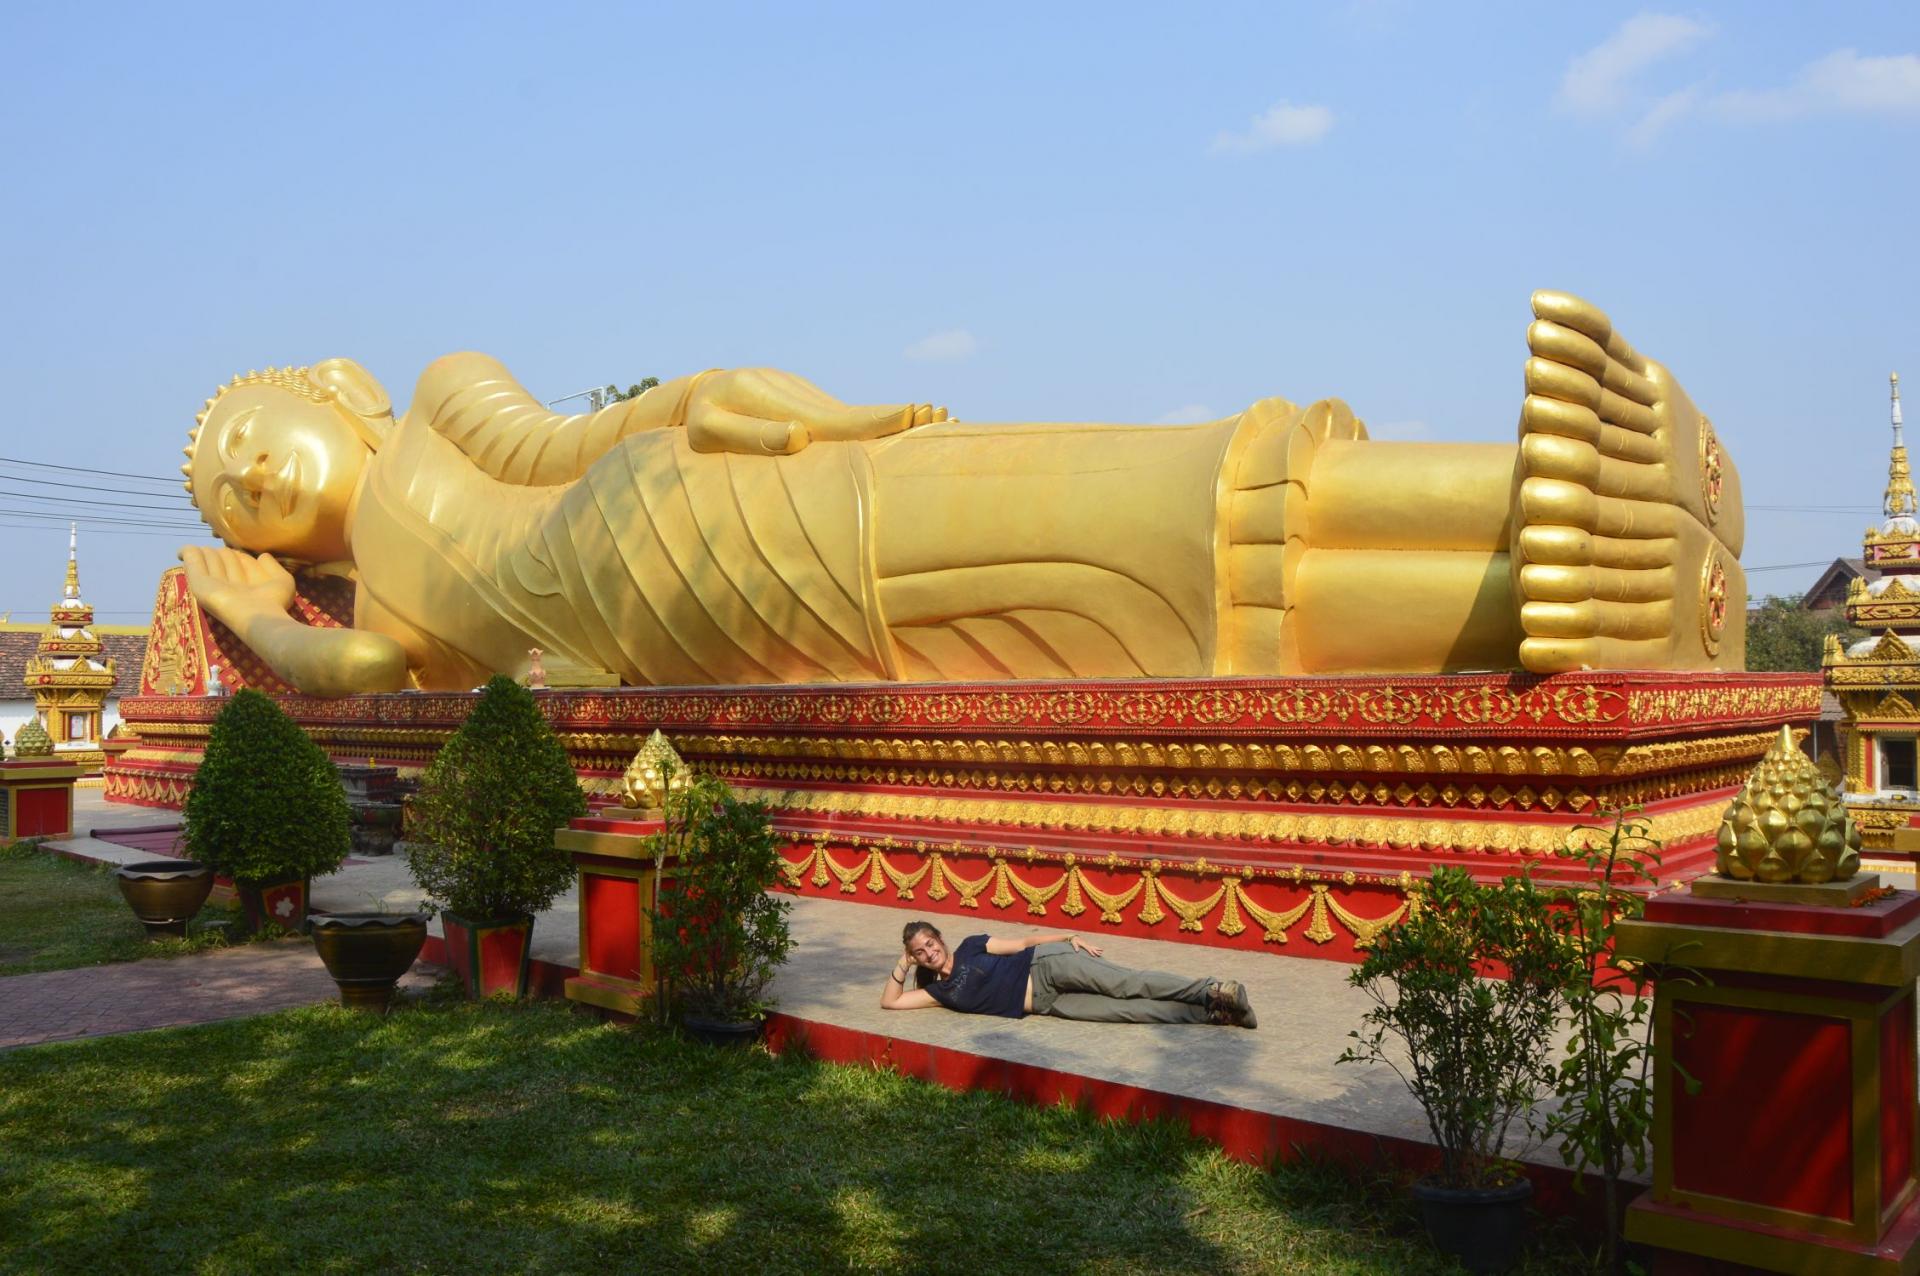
x,y
36,797
1275,814
1797,1148
618,878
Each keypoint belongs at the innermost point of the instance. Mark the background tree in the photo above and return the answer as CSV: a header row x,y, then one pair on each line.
x,y
1784,637
614,394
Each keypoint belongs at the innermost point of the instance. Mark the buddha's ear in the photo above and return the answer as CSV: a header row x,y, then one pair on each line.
x,y
353,386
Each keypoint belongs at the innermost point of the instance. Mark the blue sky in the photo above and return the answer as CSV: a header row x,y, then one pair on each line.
x,y
1104,212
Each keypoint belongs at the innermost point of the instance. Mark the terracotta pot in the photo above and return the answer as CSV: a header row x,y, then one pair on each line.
x,y
282,901
492,955
366,953
165,894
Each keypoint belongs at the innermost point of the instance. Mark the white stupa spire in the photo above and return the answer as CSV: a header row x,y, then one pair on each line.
x,y
1900,503
71,593
1894,380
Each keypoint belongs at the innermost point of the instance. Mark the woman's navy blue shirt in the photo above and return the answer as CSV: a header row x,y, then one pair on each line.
x,y
983,983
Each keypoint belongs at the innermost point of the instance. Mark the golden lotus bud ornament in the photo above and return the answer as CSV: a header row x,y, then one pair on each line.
x,y
1788,824
655,772
32,741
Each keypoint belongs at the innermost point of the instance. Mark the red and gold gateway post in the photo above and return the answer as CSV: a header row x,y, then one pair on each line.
x,y
1785,1132
36,787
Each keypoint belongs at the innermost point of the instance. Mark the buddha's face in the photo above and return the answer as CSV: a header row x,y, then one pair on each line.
x,y
275,471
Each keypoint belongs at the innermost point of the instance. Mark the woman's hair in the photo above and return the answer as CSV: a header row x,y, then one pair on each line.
x,y
921,975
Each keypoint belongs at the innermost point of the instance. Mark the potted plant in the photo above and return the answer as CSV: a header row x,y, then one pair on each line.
x,y
366,953
266,810
718,935
480,835
1473,1049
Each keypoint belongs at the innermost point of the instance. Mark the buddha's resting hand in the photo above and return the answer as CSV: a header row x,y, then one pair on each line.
x,y
766,412
236,586
250,595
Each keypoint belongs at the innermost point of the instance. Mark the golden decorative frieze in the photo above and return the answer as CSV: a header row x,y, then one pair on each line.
x,y
1440,758
1003,886
1501,836
1447,793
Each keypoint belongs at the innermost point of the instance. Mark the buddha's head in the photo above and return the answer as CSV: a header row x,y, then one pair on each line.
x,y
276,456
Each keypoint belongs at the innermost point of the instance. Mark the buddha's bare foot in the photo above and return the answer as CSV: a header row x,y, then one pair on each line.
x,y
1626,515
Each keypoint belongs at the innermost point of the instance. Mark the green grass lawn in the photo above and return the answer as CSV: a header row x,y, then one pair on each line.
x,y
502,1138
56,914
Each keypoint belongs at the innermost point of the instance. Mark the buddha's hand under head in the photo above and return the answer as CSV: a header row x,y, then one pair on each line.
x,y
236,586
766,412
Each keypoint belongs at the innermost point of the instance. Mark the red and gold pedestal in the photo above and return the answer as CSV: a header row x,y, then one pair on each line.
x,y
1292,815
1793,1147
618,878
36,797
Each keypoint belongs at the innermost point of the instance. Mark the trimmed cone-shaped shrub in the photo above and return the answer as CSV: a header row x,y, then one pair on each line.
x,y
480,830
266,803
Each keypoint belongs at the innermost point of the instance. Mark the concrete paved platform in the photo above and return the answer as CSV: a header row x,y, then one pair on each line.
x,y
844,950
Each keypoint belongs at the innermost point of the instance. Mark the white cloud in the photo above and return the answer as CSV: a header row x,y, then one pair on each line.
x,y
1664,112
948,346
1597,81
1843,81
1282,124
1191,414
1399,431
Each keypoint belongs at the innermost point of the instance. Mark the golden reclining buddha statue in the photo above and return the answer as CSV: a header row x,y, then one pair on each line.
x,y
740,527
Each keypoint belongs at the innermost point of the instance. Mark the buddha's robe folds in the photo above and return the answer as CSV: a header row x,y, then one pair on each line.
x,y
949,552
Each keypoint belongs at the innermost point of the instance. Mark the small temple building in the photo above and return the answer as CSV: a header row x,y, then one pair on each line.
x,y
70,674
1877,679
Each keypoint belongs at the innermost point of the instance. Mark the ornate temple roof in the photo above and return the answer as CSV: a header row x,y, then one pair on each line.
x,y
127,644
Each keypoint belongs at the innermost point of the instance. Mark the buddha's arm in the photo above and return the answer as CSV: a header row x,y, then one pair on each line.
x,y
250,596
474,402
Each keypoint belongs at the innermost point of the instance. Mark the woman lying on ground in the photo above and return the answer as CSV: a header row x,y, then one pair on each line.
x,y
1061,975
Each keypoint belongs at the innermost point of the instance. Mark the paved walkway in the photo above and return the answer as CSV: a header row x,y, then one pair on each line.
x,y
223,983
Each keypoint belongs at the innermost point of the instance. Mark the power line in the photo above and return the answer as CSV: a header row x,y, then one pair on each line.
x,y
182,507
173,534
1818,509
59,517
79,487
81,469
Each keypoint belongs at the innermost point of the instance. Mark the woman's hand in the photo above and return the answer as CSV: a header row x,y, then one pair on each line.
x,y
1081,945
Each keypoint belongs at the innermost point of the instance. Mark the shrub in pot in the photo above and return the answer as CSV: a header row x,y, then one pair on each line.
x,y
718,935
1466,993
266,810
480,835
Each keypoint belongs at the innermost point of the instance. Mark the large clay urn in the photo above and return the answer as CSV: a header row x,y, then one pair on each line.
x,y
165,894
366,953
